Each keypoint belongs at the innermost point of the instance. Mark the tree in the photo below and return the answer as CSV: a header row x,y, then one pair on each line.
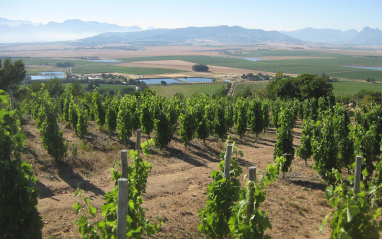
x,y
11,74
304,86
125,125
200,68
325,150
343,136
82,124
313,86
284,144
19,217
220,122
304,151
51,136
188,125
111,115
99,111
55,87
255,116
265,111
241,117
163,130
146,116
73,116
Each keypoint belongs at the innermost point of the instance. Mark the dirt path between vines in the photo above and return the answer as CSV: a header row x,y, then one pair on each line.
x,y
177,184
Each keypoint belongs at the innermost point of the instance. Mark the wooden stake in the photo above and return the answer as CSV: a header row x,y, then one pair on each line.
x,y
124,163
138,144
12,99
357,178
227,161
251,188
252,173
122,209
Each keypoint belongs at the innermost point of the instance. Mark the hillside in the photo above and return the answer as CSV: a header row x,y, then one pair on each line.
x,y
177,184
218,34
24,31
368,36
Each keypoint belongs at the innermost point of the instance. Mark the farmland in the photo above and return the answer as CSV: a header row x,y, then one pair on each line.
x,y
345,87
178,182
186,90
239,87
311,62
104,68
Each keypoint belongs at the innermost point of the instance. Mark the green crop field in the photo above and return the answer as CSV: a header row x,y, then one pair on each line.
x,y
264,53
342,87
105,68
330,63
101,86
109,87
187,90
239,87
48,61
333,66
87,67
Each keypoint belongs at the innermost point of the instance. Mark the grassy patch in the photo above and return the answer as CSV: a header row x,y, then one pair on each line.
x,y
264,53
343,87
359,74
109,87
187,90
104,68
239,87
47,61
333,66
35,65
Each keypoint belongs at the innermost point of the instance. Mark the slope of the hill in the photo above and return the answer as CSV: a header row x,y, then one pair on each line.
x,y
177,184
217,34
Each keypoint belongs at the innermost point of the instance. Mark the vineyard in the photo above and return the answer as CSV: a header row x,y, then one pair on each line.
x,y
169,91
187,178
240,87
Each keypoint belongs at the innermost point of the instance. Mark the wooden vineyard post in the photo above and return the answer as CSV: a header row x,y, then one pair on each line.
x,y
357,178
138,144
122,208
12,99
227,161
251,188
124,163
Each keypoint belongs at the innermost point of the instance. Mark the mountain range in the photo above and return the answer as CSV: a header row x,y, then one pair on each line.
x,y
189,35
92,32
12,31
368,36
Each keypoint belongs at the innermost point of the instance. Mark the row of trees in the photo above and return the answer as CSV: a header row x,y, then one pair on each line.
x,y
197,117
232,211
304,86
333,141
19,217
11,74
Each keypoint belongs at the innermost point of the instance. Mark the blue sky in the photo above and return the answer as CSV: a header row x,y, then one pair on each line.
x,y
254,14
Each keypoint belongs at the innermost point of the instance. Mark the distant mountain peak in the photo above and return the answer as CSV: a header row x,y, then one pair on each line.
x,y
366,36
70,29
14,23
189,35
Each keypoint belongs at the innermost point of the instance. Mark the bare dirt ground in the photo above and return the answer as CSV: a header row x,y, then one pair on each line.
x,y
177,184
